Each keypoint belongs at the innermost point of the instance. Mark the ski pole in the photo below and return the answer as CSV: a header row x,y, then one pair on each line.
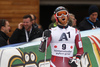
x,y
45,51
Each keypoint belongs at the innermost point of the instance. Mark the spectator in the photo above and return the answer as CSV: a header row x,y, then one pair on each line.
x,y
4,30
25,31
72,20
34,20
91,22
54,23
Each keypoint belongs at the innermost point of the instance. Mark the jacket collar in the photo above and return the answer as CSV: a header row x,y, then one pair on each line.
x,y
62,27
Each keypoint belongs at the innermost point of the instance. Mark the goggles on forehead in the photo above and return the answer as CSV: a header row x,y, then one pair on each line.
x,y
60,13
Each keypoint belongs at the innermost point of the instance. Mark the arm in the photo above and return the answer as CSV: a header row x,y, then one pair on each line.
x,y
2,42
15,36
75,61
79,45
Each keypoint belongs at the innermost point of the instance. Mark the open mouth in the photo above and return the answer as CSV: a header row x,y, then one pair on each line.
x,y
63,19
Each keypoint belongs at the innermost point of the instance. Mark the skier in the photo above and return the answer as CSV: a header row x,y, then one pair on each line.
x,y
62,39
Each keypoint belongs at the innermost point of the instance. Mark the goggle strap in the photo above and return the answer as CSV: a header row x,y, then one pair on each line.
x,y
56,18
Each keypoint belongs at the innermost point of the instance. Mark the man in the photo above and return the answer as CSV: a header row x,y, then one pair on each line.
x,y
4,30
25,31
34,20
92,21
62,39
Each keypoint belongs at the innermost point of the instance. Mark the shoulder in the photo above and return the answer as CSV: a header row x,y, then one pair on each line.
x,y
40,30
1,39
2,42
37,30
51,24
19,29
98,21
54,28
83,22
71,28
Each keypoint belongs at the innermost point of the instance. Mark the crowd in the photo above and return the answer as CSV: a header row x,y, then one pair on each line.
x,y
29,29
25,32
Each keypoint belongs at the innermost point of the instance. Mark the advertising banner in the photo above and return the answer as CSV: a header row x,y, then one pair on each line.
x,y
28,55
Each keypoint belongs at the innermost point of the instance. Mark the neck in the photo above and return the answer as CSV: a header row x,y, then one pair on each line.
x,y
29,29
63,27
62,24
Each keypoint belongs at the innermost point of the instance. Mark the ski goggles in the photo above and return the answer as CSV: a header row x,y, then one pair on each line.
x,y
61,13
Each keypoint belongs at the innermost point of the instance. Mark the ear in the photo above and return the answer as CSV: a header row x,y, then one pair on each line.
x,y
2,28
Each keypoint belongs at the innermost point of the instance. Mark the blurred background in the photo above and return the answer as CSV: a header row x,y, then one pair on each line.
x,y
14,10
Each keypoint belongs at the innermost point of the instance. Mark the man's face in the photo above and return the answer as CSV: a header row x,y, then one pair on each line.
x,y
7,27
93,16
62,17
27,24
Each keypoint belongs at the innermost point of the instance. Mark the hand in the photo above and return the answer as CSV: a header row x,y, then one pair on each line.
x,y
74,62
20,25
47,33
